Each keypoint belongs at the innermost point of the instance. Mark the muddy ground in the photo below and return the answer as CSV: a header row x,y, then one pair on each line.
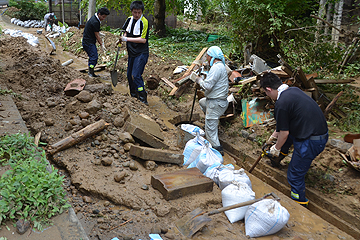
x,y
100,202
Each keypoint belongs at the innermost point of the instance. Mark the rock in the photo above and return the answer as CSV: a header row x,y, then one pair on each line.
x,y
252,137
119,122
126,137
119,176
85,122
133,166
106,161
96,211
115,147
75,122
49,122
126,164
116,156
68,127
22,226
93,107
156,229
244,133
340,144
127,146
115,111
84,96
145,187
150,165
37,126
106,203
42,104
108,105
87,199
84,115
50,103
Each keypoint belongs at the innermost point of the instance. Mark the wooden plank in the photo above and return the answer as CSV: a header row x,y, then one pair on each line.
x,y
173,91
170,84
192,66
248,80
332,103
301,76
312,84
333,81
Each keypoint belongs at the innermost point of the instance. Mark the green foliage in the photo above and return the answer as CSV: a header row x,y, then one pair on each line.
x,y
29,191
352,69
29,9
5,91
184,44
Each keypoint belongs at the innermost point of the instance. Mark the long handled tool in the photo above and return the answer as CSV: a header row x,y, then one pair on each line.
x,y
265,152
193,77
194,221
114,74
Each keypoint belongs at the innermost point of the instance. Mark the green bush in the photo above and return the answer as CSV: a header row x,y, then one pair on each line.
x,y
29,9
32,189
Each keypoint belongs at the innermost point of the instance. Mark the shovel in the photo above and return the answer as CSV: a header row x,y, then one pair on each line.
x,y
194,221
114,74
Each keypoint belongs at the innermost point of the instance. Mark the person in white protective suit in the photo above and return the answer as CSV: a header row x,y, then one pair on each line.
x,y
215,102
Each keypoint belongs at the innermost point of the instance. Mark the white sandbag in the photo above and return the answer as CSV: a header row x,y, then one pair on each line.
x,y
192,129
265,217
226,176
208,156
236,192
212,172
192,149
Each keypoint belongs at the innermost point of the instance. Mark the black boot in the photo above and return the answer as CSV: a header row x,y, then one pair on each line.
x,y
275,161
91,72
220,150
134,94
143,97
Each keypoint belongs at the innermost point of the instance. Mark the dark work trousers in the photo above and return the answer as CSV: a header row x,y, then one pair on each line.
x,y
136,66
305,151
91,51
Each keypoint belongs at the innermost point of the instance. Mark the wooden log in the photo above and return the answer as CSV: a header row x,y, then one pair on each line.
x,y
333,81
78,136
332,103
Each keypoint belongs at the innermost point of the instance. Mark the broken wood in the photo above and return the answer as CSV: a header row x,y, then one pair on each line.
x,y
170,84
302,78
182,89
332,103
78,136
312,84
199,56
333,81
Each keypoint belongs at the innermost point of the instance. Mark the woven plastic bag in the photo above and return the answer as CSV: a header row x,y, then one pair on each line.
x,y
208,156
265,217
193,148
236,192
213,171
226,176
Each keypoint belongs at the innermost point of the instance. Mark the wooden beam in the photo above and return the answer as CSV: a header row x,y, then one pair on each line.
x,y
332,104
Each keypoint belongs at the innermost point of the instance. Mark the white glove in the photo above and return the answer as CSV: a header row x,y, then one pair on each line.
x,y
274,151
103,47
198,80
124,39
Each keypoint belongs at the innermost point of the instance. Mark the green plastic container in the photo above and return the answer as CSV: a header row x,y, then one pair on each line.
x,y
212,38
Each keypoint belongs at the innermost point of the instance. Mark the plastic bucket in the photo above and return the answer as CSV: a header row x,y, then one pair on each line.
x,y
212,38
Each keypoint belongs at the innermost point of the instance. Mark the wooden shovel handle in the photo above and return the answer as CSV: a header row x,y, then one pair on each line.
x,y
223,209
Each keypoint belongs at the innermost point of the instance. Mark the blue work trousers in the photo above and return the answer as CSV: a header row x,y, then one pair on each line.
x,y
305,151
91,51
136,66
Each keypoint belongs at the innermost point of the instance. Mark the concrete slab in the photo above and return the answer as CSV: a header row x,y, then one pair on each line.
x,y
181,183
144,136
158,155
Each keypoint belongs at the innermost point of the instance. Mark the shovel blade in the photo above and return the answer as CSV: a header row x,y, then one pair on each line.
x,y
192,222
114,77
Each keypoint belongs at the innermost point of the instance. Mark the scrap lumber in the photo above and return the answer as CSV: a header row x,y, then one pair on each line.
x,y
170,84
312,84
333,81
78,136
332,103
192,66
158,155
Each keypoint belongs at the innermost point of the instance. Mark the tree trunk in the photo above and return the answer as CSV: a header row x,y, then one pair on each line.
x,y
328,17
337,21
319,23
91,9
159,17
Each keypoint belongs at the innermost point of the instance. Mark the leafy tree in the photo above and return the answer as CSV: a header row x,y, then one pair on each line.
x,y
29,9
158,8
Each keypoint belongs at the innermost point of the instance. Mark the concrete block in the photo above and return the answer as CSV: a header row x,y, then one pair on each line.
x,y
181,183
184,118
144,136
158,155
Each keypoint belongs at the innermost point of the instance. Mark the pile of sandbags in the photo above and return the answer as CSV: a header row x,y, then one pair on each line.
x,y
28,23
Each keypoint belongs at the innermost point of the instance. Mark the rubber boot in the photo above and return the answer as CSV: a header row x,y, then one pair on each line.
x,y
134,94
92,73
220,150
143,97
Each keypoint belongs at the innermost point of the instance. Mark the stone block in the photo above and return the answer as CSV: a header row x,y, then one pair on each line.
x,y
181,183
144,136
158,155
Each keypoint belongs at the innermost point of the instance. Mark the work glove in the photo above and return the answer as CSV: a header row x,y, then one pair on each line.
x,y
274,152
271,140
198,80
124,39
103,47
